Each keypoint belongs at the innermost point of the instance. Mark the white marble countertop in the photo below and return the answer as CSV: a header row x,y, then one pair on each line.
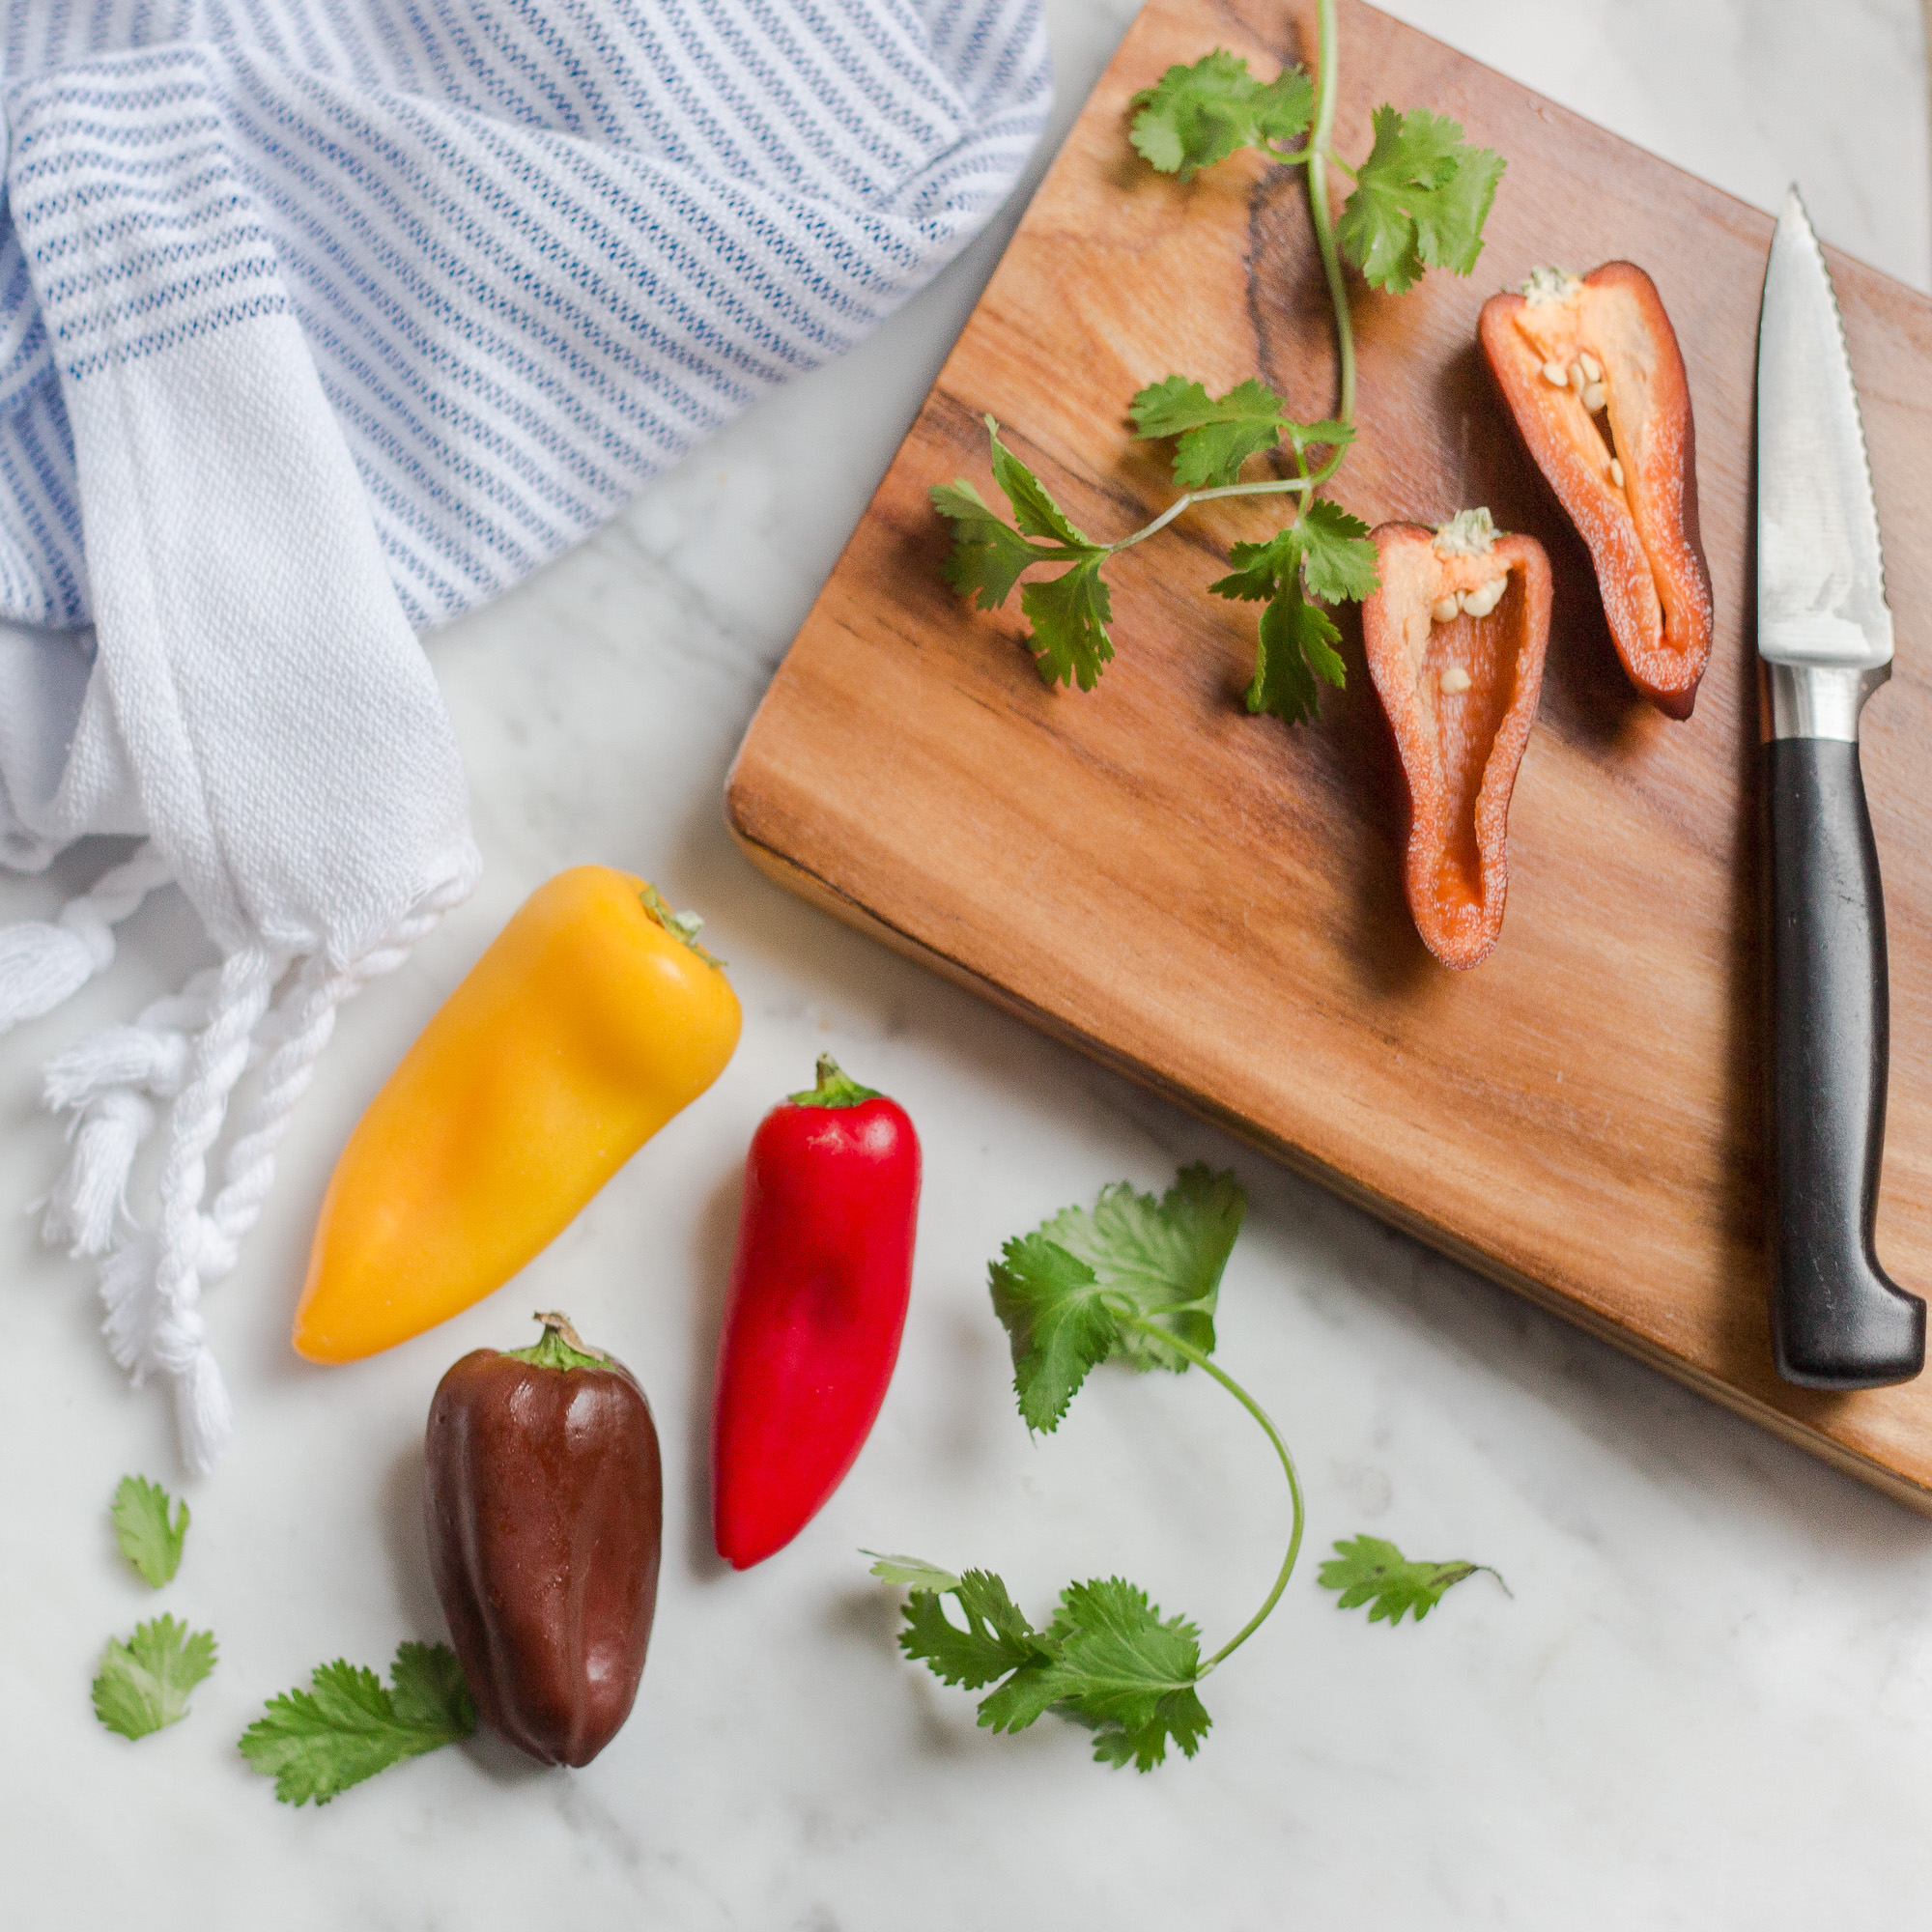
x,y
1707,1704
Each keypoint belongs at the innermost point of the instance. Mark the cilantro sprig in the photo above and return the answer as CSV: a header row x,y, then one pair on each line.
x,y
1137,1281
1325,552
1134,1280
1420,201
348,1726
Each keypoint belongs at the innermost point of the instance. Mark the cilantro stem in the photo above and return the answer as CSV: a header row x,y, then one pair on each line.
x,y
1169,1339
1318,156
1264,485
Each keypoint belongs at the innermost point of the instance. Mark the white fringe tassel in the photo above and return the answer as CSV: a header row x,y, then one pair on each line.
x,y
90,1198
187,1051
42,965
108,1081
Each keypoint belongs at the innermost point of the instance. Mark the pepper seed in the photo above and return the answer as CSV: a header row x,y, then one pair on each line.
x,y
1593,370
1445,608
1556,375
1594,398
1616,472
1454,679
1481,601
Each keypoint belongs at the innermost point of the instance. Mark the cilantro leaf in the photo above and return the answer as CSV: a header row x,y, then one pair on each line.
x,y
1261,568
1217,434
997,1638
1069,613
1138,1279
1034,509
1420,199
1127,1672
1164,1257
1195,116
1297,641
1449,226
987,552
431,1691
1108,1660
913,1571
1069,616
1332,551
1370,1571
1294,645
144,1683
315,1743
1338,559
1069,1292
1060,1321
148,1540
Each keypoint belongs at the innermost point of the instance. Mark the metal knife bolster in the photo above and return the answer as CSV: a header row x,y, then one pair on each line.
x,y
1818,700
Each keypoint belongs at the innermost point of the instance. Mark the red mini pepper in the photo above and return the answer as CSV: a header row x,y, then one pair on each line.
x,y
1455,635
817,1302
1590,368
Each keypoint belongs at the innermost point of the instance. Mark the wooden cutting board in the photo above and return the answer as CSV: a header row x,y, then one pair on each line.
x,y
1212,904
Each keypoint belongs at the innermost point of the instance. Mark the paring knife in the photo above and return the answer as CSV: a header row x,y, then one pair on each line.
x,y
1824,633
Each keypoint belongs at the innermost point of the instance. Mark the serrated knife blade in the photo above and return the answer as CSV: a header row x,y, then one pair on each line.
x,y
1820,566
1824,633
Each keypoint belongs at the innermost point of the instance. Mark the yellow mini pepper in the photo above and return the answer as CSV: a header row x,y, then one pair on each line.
x,y
591,1020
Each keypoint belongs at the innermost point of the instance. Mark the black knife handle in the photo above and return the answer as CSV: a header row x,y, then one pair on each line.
x,y
1837,1321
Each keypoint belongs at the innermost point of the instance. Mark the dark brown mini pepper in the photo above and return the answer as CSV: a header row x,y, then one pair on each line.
x,y
546,1520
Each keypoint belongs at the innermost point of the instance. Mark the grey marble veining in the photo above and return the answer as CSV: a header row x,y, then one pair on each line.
x,y
1707,1703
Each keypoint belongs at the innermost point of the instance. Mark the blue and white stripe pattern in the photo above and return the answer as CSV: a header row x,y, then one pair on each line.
x,y
537,248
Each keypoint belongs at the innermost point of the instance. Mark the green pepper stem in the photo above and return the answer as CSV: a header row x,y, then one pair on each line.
x,y
683,927
1169,1340
559,1347
835,1088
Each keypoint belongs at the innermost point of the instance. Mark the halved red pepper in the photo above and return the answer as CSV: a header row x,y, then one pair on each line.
x,y
1455,634
1590,368
817,1302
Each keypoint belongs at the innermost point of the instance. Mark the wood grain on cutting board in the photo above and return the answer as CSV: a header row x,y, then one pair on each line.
x,y
1213,902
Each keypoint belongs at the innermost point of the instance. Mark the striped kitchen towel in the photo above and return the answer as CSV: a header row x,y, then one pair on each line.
x,y
322,322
